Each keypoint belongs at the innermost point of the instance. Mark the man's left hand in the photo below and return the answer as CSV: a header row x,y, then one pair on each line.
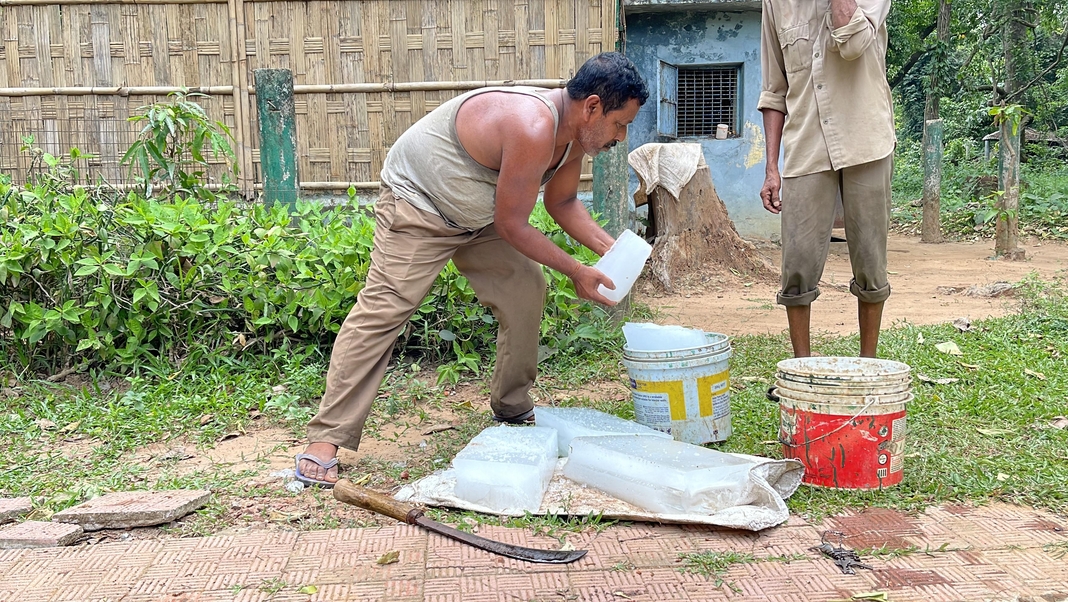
x,y
587,279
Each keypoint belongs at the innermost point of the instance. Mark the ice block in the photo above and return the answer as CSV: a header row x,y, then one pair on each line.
x,y
587,422
643,336
623,264
661,475
507,468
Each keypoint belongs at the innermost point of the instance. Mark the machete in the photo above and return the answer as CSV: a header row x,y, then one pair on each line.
x,y
345,491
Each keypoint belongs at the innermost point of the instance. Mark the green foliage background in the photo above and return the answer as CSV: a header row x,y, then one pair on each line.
x,y
97,278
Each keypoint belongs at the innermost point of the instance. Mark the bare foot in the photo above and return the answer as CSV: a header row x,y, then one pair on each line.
x,y
325,452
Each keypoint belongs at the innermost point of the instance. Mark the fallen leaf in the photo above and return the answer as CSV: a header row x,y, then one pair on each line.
x,y
1059,422
363,479
437,428
962,324
567,546
919,339
936,381
44,424
949,347
467,405
1002,476
309,589
994,432
969,366
622,595
239,340
278,389
389,557
228,436
206,418
70,427
1037,375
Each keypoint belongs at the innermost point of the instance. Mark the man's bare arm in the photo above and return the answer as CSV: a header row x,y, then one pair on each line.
x,y
526,156
769,193
842,11
563,205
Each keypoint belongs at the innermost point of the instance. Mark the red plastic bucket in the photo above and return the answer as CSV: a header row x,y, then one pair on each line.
x,y
845,443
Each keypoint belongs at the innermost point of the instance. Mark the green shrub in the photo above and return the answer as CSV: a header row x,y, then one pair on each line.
x,y
84,277
92,276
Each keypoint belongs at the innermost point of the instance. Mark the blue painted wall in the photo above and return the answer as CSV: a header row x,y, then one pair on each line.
x,y
709,38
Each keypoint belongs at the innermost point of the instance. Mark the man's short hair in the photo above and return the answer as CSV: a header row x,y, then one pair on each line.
x,y
612,77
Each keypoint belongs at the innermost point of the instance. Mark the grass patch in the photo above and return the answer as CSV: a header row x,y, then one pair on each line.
x,y
986,437
714,565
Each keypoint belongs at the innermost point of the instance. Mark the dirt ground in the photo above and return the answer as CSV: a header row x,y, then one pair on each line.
x,y
735,306
717,301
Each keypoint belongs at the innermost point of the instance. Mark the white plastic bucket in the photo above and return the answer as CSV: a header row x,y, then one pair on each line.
x,y
687,396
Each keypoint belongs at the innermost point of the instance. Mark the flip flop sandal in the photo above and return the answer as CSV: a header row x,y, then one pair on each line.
x,y
308,481
524,419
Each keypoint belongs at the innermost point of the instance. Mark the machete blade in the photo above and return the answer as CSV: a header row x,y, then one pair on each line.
x,y
504,549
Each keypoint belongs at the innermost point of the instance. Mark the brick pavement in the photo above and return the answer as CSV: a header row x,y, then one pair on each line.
x,y
1000,552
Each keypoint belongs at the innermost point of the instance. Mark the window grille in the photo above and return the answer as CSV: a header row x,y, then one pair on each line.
x,y
707,97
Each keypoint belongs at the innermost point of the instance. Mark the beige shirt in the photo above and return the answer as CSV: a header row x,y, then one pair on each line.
x,y
831,83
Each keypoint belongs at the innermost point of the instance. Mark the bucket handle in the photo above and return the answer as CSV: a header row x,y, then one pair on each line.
x,y
829,433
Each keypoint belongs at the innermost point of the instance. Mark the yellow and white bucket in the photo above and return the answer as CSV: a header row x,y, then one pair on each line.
x,y
684,392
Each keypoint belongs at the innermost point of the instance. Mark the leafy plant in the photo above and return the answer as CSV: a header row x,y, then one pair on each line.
x,y
171,154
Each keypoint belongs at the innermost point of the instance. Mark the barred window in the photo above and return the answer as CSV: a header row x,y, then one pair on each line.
x,y
695,100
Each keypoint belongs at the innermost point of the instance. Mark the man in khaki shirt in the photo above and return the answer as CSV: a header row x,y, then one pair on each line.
x,y
826,99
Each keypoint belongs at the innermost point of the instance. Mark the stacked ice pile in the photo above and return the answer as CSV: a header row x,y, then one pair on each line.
x,y
661,475
507,469
586,422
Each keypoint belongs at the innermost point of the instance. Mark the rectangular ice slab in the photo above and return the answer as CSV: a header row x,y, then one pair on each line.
x,y
586,422
507,468
661,475
643,336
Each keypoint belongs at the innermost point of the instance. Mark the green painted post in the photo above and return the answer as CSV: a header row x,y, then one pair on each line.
x,y
278,136
610,188
610,170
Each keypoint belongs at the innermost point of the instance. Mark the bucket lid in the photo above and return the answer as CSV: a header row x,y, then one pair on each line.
x,y
842,369
717,343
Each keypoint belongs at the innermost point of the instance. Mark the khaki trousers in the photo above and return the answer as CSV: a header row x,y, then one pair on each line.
x,y
808,205
411,246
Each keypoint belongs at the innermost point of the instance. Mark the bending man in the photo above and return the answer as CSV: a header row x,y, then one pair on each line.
x,y
460,184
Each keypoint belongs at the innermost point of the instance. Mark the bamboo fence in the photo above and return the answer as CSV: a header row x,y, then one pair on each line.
x,y
73,71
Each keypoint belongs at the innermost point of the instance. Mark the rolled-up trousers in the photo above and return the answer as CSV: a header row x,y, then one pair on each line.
x,y
411,247
808,204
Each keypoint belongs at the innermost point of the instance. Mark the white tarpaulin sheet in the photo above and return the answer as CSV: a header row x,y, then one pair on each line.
x,y
768,483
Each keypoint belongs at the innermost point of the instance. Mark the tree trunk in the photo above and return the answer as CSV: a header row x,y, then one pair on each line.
x,y
1014,37
695,234
931,227
1008,205
934,92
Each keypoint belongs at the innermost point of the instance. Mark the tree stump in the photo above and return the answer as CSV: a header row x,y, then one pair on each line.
x,y
695,233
